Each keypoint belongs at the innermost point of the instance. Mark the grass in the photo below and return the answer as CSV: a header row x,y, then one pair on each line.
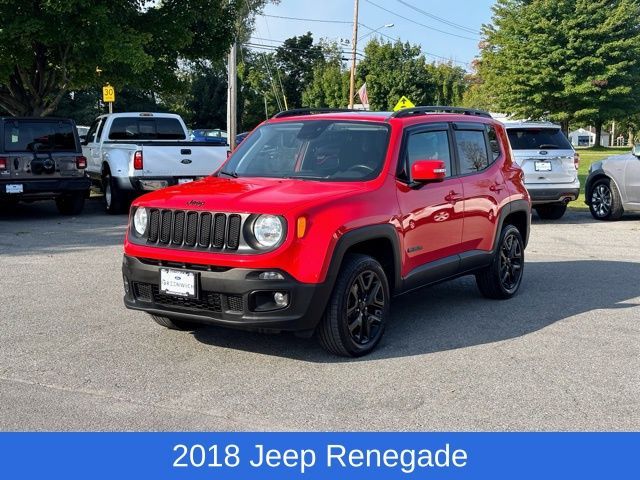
x,y
587,157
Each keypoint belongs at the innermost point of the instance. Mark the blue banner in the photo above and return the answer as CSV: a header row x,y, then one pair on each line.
x,y
315,456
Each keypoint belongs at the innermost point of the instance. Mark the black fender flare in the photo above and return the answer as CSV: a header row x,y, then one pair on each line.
x,y
514,206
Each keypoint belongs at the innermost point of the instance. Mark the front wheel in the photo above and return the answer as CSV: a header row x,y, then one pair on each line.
x,y
605,202
551,211
175,324
355,318
502,278
71,203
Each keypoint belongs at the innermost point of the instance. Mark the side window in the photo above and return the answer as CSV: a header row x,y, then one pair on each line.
x,y
494,143
432,145
92,131
472,151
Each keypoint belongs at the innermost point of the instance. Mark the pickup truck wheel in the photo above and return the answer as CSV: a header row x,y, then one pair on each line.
x,y
605,202
355,318
551,211
71,203
114,197
175,324
503,277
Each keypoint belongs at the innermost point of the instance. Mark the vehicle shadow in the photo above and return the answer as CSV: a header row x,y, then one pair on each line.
x,y
454,315
28,228
578,217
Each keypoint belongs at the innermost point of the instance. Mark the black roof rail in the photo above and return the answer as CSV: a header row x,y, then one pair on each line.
x,y
407,112
310,111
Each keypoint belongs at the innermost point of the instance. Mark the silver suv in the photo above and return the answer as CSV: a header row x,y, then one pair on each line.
x,y
550,165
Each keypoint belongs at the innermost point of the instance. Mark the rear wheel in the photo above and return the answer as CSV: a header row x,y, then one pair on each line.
x,y
355,318
115,200
71,203
551,211
503,277
605,202
175,324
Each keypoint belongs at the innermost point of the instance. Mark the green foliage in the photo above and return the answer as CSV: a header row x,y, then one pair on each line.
x,y
392,70
49,47
561,59
450,81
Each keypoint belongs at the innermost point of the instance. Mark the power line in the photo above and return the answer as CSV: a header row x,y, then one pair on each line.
x,y
421,24
439,19
306,19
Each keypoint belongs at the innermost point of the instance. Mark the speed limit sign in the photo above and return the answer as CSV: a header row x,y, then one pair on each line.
x,y
108,94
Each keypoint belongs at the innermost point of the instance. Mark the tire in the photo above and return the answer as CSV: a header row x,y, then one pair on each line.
x,y
71,203
361,287
551,211
175,324
605,202
502,278
115,200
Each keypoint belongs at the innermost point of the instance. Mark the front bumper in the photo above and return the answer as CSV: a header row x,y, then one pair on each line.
x,y
46,187
553,194
225,296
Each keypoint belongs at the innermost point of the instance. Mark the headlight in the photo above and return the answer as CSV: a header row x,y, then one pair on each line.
x,y
140,221
268,230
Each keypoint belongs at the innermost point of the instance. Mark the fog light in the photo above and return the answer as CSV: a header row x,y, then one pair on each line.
x,y
126,284
271,276
281,299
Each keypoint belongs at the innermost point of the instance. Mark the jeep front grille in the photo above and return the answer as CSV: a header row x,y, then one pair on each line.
x,y
194,229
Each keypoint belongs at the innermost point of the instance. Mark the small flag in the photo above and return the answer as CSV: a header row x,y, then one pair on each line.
x,y
362,93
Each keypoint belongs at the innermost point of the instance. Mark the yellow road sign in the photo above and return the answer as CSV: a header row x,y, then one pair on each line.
x,y
108,94
404,102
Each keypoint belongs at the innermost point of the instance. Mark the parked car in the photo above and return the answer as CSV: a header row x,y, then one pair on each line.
x,y
550,165
613,186
41,159
316,221
216,136
130,153
240,137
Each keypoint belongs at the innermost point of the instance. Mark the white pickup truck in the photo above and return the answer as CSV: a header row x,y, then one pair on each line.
x,y
130,153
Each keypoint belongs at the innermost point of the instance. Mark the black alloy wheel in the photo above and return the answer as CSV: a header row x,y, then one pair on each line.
x,y
365,307
511,261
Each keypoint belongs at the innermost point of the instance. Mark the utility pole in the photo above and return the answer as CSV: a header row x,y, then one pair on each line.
x,y
354,45
232,98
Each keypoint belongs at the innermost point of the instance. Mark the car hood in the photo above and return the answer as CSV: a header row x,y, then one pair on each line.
x,y
248,195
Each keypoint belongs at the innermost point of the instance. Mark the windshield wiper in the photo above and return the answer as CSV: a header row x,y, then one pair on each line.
x,y
228,174
307,177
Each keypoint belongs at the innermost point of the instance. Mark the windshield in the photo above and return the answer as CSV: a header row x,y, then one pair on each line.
x,y
33,136
330,150
538,139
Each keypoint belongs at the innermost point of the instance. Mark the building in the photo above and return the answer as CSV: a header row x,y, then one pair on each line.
x,y
587,138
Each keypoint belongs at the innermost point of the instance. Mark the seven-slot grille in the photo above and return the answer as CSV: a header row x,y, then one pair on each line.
x,y
190,229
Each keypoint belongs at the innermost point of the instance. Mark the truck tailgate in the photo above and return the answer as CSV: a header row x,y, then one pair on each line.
x,y
181,160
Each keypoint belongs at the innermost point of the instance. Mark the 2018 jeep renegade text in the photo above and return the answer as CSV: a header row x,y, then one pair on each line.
x,y
319,218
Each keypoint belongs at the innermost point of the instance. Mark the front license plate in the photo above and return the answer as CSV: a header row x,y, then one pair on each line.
x,y
543,166
177,282
14,188
184,180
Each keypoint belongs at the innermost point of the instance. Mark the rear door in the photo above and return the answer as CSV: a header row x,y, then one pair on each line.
x,y
91,147
544,154
40,149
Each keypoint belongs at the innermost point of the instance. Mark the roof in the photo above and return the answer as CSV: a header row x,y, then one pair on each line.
x,y
529,124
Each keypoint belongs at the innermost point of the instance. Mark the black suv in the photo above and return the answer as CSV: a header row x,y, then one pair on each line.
x,y
40,159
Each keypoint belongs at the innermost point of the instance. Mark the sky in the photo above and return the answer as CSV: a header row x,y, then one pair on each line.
x,y
452,35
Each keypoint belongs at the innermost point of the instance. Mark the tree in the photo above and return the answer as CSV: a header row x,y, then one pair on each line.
x,y
450,81
563,59
295,59
392,70
51,47
329,85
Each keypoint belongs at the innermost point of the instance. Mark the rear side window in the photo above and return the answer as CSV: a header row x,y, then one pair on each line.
x,y
494,143
34,136
432,145
472,151
135,128
538,139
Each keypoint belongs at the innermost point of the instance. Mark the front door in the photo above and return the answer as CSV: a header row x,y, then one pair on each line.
x,y
432,214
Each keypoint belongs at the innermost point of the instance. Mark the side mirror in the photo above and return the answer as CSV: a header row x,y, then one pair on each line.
x,y
636,150
425,171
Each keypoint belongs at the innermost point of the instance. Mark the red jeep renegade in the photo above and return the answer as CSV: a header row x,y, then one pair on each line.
x,y
321,216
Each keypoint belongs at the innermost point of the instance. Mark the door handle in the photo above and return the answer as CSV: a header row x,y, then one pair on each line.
x,y
453,197
496,187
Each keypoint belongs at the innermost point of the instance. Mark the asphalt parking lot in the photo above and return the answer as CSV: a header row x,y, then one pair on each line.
x,y
563,355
